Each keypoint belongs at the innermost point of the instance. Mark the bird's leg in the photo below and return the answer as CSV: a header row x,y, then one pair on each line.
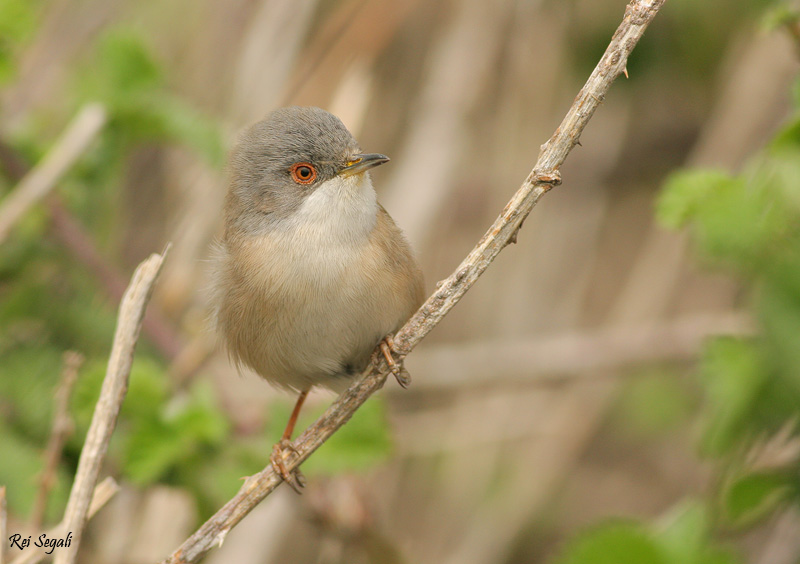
x,y
295,479
400,373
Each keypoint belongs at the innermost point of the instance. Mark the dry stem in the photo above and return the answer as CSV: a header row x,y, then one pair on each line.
x,y
61,429
545,175
115,385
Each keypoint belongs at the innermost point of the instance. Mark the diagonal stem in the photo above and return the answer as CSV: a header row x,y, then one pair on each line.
x,y
112,393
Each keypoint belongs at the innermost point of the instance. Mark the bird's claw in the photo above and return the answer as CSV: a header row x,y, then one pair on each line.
x,y
398,370
295,479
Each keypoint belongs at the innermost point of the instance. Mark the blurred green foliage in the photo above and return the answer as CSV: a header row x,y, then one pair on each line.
x,y
18,20
755,495
748,225
681,539
125,77
615,543
49,304
652,404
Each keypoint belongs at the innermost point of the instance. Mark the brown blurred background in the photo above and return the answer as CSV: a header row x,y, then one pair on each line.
x,y
556,392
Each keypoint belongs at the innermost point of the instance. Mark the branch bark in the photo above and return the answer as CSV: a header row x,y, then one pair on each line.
x,y
115,385
543,177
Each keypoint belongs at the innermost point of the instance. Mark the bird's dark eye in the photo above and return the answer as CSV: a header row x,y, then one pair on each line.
x,y
303,173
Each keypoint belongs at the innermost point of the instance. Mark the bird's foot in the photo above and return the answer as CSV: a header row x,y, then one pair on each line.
x,y
295,479
396,366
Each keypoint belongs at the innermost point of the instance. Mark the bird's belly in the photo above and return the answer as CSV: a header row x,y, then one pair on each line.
x,y
316,324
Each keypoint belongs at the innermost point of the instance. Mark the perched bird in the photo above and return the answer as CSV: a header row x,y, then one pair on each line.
x,y
312,273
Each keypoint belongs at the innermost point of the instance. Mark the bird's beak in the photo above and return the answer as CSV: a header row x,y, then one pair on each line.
x,y
362,162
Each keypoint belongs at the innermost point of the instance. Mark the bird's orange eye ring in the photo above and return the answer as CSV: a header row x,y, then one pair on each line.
x,y
303,173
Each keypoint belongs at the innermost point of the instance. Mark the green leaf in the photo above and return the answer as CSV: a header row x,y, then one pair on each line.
x,y
173,436
127,78
685,191
122,70
181,124
148,389
753,496
796,93
84,397
19,466
653,403
152,449
736,219
733,373
614,543
685,536
779,313
18,19
198,417
733,204
789,136
779,15
28,378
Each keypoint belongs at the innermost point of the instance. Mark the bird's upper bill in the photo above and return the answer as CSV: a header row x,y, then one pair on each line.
x,y
362,162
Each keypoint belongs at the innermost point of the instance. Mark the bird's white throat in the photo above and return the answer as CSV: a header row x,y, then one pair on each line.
x,y
341,210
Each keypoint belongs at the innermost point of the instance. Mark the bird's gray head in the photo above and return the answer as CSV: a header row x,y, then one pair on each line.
x,y
284,158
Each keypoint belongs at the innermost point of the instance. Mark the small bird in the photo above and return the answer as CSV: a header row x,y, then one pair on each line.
x,y
312,273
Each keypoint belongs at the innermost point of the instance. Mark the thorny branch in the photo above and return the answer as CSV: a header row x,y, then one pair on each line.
x,y
543,177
